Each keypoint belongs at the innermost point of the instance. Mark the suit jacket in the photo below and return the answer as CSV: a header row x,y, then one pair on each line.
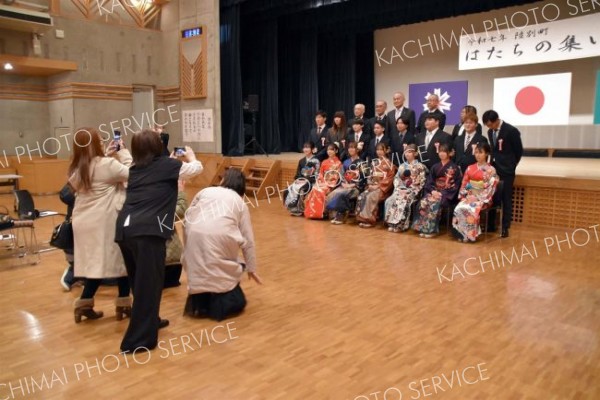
x,y
456,129
507,151
321,153
423,116
365,138
429,155
398,146
406,113
465,157
372,153
386,122
367,127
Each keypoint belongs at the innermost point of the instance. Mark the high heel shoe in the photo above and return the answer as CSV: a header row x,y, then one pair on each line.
x,y
122,307
85,308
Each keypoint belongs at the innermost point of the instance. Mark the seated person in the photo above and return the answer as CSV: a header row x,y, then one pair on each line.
x,y
308,167
213,242
341,200
408,184
476,192
379,187
174,246
440,191
329,178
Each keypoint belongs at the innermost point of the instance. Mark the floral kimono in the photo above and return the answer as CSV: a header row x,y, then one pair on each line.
x,y
330,177
341,199
477,189
408,183
380,185
303,181
440,190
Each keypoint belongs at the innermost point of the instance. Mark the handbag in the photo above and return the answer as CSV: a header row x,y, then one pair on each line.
x,y
6,220
62,236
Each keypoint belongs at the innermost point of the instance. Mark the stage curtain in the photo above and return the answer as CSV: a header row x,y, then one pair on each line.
x,y
232,120
260,75
365,73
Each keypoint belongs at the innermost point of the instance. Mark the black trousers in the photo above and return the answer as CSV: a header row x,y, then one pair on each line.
x,y
505,196
145,262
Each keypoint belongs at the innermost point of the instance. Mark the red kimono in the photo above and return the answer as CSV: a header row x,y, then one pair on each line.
x,y
330,176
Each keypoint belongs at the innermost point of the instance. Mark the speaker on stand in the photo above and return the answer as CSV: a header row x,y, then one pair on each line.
x,y
251,105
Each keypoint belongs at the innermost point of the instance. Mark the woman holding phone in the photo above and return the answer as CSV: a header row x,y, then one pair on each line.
x,y
144,225
97,177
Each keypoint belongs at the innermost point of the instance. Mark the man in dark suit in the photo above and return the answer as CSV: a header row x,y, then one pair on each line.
x,y
318,135
433,101
360,136
507,150
459,128
380,115
402,138
429,141
465,143
359,113
378,129
400,111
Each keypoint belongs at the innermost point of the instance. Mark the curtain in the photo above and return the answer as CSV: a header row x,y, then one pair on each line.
x,y
232,121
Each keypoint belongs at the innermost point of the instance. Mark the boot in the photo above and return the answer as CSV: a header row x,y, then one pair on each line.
x,y
122,307
85,308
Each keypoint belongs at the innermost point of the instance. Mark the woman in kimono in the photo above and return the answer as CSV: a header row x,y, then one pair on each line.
x,y
98,181
408,184
476,192
308,167
379,187
330,176
440,190
340,200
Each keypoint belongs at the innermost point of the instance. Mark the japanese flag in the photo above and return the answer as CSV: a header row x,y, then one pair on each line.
x,y
534,100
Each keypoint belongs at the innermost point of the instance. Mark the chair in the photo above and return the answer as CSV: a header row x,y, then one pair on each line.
x,y
496,207
26,211
14,245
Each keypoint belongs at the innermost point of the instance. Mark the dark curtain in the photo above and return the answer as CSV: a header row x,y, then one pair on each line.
x,y
289,66
365,72
308,80
337,73
232,120
260,73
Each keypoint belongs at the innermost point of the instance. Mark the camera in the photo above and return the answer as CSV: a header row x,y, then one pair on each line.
x,y
179,151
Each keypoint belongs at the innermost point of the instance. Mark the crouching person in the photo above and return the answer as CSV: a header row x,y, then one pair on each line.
x,y
218,225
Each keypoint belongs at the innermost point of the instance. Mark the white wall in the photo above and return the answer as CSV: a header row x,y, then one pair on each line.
x,y
442,65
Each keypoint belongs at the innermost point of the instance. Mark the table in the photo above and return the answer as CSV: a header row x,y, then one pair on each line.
x,y
10,180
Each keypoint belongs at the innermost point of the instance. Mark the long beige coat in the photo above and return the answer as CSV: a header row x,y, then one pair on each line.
x,y
94,219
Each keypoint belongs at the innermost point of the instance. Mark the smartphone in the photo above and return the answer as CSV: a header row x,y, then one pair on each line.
x,y
117,137
179,151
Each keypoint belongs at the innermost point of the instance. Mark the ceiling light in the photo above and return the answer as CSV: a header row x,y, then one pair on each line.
x,y
8,67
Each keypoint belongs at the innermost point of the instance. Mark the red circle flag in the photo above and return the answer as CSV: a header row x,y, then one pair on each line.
x,y
529,100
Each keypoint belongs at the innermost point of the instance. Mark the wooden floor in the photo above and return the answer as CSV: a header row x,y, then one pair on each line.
x,y
344,313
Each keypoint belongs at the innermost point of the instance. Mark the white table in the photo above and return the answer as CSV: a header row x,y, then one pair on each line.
x,y
10,180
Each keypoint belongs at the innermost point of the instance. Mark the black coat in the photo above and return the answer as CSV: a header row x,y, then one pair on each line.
x,y
397,146
429,155
406,113
372,151
423,117
465,157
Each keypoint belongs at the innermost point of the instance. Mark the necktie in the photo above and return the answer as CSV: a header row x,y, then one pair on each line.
x,y
467,140
376,141
495,137
401,138
319,130
356,138
427,139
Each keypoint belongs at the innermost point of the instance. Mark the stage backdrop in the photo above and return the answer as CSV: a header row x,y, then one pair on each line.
x,y
429,53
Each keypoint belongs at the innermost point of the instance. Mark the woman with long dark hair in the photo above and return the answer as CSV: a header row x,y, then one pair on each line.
x,y
143,226
338,133
97,179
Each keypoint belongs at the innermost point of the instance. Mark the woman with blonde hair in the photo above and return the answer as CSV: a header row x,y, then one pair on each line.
x,y
97,178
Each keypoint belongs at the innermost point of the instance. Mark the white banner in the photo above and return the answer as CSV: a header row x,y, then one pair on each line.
x,y
566,39
198,126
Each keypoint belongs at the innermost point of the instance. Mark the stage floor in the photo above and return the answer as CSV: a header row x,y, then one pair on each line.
x,y
580,168
344,313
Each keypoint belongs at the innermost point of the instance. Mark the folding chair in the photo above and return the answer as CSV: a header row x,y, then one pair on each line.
x,y
26,211
16,247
